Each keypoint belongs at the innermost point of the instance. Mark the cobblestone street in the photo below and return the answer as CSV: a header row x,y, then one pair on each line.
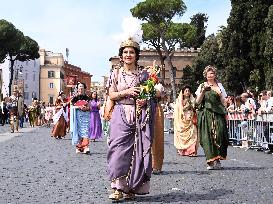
x,y
36,168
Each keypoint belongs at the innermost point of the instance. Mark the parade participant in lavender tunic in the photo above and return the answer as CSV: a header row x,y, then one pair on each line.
x,y
95,120
80,120
129,155
212,124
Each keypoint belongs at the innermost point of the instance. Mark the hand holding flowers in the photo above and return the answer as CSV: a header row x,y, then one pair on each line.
x,y
147,86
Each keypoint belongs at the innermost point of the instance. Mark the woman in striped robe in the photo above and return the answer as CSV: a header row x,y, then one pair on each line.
x,y
80,120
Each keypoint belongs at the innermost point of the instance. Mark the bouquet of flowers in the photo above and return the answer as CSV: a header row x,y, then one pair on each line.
x,y
150,79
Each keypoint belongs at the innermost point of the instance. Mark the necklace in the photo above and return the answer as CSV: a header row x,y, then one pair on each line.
x,y
134,80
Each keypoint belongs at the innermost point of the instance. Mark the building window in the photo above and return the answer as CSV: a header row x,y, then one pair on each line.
x,y
51,85
26,86
61,75
34,95
26,95
51,74
174,72
50,99
33,76
26,77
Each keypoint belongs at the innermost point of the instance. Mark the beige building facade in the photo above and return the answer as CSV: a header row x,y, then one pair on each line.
x,y
51,75
180,59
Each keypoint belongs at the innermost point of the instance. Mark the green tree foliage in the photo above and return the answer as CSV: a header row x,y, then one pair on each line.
x,y
16,46
188,77
182,34
242,51
244,42
2,56
268,52
161,32
210,55
199,20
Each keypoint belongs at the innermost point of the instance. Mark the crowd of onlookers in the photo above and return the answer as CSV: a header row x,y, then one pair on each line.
x,y
250,103
36,114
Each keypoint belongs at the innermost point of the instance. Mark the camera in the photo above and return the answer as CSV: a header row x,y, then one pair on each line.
x,y
208,88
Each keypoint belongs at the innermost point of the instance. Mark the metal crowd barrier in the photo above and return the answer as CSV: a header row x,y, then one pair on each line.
x,y
168,122
251,131
248,130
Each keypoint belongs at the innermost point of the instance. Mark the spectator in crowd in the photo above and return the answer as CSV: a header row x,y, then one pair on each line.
x,y
230,104
249,104
269,102
262,102
238,104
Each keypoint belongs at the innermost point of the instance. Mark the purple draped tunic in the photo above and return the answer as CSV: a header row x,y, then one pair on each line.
x,y
129,154
95,121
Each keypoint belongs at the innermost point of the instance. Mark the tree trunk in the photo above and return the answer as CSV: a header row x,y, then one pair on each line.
x,y
159,51
162,68
170,64
11,69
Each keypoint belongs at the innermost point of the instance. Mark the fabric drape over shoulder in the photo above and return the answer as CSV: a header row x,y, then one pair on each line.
x,y
212,125
129,155
79,120
185,132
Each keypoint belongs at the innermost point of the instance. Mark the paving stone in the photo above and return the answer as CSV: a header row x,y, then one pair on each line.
x,y
36,168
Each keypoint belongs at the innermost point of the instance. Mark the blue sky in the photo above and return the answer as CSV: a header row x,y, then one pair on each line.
x,y
87,27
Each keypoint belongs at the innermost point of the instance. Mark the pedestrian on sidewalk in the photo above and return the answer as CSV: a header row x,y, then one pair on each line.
x,y
32,113
129,154
158,141
59,118
13,110
80,120
49,114
1,112
95,120
5,112
21,112
185,124
42,114
38,112
212,124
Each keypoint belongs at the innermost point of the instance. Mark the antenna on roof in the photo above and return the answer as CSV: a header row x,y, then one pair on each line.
x,y
67,54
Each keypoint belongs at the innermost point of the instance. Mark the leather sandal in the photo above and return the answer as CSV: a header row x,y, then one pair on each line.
x,y
129,196
116,195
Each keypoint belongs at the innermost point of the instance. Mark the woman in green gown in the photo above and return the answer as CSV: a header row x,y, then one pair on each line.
x,y
212,124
